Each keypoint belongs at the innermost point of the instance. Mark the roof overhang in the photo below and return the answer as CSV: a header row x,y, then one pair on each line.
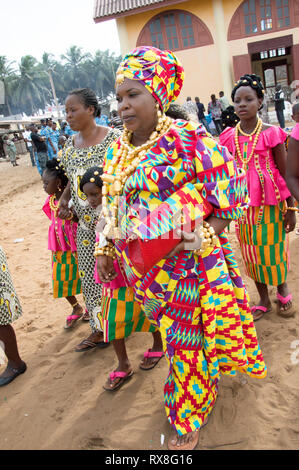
x,y
112,9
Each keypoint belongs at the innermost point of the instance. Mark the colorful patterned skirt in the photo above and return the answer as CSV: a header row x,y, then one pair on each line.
x,y
65,274
120,315
265,249
10,307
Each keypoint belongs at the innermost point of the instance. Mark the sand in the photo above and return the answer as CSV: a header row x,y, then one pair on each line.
x,y
59,403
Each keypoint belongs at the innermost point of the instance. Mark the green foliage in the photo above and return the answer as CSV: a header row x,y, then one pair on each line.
x,y
27,85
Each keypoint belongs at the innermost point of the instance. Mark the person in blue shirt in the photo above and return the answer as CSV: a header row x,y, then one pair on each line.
x,y
55,136
46,131
101,119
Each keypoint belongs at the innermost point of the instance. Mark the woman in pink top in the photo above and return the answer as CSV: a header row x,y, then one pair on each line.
x,y
262,232
62,243
293,157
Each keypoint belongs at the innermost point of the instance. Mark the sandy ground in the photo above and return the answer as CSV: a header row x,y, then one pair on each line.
x,y
59,403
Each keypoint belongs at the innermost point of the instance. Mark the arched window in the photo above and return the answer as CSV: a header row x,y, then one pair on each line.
x,y
175,30
261,16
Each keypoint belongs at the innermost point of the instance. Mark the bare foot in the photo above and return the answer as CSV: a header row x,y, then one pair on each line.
x,y
188,441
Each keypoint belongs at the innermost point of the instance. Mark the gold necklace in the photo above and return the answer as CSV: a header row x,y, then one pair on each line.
x,y
246,160
122,165
253,132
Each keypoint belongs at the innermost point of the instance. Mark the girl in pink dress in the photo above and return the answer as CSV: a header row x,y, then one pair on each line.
x,y
62,243
293,158
262,232
120,315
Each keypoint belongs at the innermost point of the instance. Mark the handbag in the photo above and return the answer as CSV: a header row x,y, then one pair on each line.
x,y
146,253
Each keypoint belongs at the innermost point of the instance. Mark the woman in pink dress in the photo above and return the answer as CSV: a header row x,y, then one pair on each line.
x,y
62,243
263,231
293,157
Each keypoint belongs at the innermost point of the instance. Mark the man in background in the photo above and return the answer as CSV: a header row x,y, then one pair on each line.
x,y
223,101
201,114
279,106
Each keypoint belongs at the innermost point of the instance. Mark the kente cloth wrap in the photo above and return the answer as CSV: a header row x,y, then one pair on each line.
x,y
65,274
10,307
121,315
198,302
265,246
159,71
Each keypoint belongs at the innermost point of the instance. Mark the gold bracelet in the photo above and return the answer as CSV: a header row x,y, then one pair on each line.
x,y
208,237
108,250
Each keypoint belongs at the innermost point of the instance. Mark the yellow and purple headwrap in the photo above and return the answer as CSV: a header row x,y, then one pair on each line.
x,y
159,71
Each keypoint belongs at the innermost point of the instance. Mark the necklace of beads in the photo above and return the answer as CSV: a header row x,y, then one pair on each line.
x,y
258,130
252,133
55,207
123,164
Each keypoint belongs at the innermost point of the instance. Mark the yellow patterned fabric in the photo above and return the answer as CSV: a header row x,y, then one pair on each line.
x,y
159,71
198,302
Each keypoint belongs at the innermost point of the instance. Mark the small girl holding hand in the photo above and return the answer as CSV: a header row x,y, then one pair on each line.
x,y
62,243
120,315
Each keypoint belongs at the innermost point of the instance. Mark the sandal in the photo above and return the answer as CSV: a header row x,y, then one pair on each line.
x,y
151,354
71,320
286,313
15,374
86,316
123,376
259,315
91,345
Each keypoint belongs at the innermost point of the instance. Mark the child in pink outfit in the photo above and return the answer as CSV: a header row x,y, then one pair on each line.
x,y
62,243
120,315
293,158
259,149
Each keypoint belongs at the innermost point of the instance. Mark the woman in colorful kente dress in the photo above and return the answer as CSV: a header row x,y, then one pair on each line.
x,y
263,232
195,294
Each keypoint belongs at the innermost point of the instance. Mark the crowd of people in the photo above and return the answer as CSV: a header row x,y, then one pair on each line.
x,y
138,223
219,111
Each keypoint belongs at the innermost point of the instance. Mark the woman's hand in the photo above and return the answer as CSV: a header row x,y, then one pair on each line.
x,y
289,221
105,268
64,211
190,241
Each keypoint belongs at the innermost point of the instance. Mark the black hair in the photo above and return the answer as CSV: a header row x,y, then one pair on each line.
x,y
175,111
88,98
252,80
92,175
99,112
54,167
295,108
229,117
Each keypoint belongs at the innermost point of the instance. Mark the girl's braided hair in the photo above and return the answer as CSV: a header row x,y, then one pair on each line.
x,y
54,167
92,175
252,80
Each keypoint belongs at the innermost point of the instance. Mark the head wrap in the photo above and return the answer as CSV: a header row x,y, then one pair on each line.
x,y
159,71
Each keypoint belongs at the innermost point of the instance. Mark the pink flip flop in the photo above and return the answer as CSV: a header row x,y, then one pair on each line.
x,y
259,307
152,354
290,312
123,376
71,320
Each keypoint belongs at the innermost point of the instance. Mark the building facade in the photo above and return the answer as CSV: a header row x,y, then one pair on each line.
x,y
217,41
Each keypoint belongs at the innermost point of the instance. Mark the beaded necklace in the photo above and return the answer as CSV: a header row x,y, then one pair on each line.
x,y
123,165
244,158
55,208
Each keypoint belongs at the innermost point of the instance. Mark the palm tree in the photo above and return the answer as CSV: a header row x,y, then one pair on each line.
x,y
102,68
31,91
7,74
74,59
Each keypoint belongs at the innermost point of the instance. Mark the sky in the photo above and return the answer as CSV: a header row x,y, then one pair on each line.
x,y
37,26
